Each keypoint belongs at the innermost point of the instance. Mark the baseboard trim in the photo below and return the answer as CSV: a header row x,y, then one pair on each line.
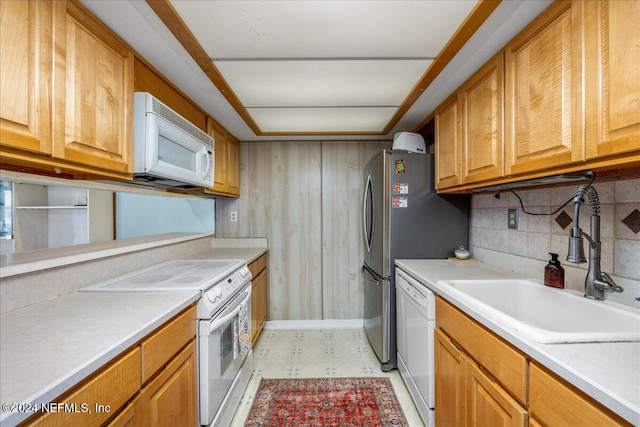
x,y
315,324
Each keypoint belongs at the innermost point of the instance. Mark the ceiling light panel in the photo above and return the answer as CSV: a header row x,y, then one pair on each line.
x,y
307,120
322,83
325,29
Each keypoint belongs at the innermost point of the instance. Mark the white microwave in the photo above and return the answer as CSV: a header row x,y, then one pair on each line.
x,y
169,151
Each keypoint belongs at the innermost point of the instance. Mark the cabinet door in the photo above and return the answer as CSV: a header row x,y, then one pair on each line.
x,y
555,403
99,96
233,165
612,77
126,418
449,382
171,398
264,299
258,304
482,123
219,136
31,95
489,404
448,140
543,94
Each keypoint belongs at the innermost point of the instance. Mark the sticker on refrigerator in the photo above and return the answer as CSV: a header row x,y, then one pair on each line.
x,y
400,166
399,202
401,188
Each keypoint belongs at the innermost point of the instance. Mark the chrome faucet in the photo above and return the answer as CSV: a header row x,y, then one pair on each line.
x,y
597,282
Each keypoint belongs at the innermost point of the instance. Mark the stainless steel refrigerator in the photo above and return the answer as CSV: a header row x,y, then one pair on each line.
x,y
403,218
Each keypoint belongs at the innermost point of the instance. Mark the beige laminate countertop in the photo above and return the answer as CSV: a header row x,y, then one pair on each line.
x,y
48,348
608,372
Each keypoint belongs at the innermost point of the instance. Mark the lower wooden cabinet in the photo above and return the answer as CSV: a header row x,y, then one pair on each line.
x,y
170,399
259,296
488,404
126,418
126,394
556,403
466,396
481,380
506,364
450,365
110,388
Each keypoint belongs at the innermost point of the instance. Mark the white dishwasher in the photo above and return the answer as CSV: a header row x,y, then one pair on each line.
x,y
415,312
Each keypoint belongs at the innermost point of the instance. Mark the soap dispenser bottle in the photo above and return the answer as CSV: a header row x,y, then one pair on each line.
x,y
554,273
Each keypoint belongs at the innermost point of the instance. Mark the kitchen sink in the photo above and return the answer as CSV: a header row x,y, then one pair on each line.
x,y
547,315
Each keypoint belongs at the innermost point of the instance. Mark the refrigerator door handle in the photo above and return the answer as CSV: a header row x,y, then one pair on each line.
x,y
367,225
369,275
372,275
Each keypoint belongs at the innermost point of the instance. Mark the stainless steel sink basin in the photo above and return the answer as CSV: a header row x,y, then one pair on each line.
x,y
547,315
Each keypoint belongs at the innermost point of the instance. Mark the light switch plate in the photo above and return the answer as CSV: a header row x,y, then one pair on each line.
x,y
512,219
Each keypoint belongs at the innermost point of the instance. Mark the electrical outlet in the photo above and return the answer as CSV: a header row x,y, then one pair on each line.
x,y
234,216
512,219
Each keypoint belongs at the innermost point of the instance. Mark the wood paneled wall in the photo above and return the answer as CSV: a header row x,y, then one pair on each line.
x,y
306,198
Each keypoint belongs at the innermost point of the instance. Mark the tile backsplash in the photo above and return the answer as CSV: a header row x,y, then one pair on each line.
x,y
526,249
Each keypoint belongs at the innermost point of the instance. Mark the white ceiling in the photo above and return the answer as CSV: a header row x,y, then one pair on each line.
x,y
316,66
322,66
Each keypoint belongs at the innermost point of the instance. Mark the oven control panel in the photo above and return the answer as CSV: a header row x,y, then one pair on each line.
x,y
215,297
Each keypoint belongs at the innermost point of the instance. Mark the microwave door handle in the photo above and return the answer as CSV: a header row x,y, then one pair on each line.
x,y
226,318
207,158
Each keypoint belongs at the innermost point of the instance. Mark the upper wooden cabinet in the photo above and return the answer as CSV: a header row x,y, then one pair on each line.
x,y
67,90
482,100
612,74
571,101
99,96
469,128
220,171
543,92
448,144
226,179
29,34
233,165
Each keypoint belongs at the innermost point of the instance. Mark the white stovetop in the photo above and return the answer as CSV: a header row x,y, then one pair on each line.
x,y
172,276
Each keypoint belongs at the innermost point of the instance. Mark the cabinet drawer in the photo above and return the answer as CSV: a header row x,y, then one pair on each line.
x,y
110,388
258,265
158,349
555,403
506,364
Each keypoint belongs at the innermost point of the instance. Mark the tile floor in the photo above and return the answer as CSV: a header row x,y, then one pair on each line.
x,y
313,353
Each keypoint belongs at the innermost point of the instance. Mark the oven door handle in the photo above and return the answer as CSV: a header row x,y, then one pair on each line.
x,y
217,323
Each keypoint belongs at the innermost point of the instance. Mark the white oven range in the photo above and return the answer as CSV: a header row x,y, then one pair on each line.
x,y
225,359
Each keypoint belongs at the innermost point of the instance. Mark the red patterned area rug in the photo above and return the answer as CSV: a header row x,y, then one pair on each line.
x,y
326,402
